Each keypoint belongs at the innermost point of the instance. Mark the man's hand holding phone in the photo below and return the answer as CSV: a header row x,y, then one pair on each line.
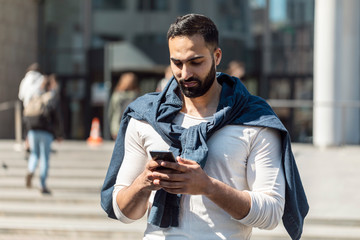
x,y
180,176
162,156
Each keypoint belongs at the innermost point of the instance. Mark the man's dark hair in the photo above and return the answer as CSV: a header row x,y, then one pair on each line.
x,y
191,24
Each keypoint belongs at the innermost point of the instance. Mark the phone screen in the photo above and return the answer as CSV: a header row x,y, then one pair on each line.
x,y
163,155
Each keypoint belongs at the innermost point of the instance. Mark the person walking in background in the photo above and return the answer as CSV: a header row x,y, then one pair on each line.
x,y
236,68
30,85
42,129
234,168
126,90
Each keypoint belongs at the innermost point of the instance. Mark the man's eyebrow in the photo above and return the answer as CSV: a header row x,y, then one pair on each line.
x,y
187,60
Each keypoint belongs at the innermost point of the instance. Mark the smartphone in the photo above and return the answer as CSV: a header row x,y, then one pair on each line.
x,y
163,155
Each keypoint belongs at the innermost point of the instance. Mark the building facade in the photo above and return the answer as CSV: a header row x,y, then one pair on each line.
x,y
273,39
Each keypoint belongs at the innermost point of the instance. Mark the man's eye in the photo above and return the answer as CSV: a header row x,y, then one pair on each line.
x,y
178,64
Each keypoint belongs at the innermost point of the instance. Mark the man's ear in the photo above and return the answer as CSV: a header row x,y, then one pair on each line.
x,y
217,56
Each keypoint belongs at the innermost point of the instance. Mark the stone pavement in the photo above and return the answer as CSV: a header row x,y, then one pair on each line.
x,y
330,176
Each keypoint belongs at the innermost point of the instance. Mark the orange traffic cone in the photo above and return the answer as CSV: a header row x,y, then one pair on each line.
x,y
95,135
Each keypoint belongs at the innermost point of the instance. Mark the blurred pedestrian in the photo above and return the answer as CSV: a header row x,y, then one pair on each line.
x,y
126,90
42,129
236,68
30,85
167,76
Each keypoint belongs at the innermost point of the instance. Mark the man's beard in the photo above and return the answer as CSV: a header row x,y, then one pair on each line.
x,y
201,87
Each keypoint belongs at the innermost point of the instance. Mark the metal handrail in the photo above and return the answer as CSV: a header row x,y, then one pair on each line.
x,y
343,106
7,105
288,103
294,103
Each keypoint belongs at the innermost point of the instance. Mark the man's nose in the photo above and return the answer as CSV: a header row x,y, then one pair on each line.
x,y
186,72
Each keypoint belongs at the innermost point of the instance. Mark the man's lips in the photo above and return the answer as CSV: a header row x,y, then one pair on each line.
x,y
190,83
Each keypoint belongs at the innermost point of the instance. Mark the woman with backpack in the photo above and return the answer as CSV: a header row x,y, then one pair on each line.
x,y
42,119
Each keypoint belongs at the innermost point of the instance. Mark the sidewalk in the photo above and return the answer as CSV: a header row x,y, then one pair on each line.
x,y
330,177
331,180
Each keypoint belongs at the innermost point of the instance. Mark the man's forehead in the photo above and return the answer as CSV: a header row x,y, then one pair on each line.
x,y
195,40
185,48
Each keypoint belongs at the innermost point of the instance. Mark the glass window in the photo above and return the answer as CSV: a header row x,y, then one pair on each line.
x,y
257,4
277,11
153,5
101,39
109,4
184,6
150,38
159,51
280,88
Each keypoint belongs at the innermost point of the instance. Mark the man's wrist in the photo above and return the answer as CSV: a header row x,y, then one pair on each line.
x,y
210,188
142,187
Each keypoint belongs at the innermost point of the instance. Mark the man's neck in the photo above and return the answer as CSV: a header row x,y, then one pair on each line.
x,y
205,105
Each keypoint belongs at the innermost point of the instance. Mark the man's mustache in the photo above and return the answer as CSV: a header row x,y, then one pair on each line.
x,y
191,79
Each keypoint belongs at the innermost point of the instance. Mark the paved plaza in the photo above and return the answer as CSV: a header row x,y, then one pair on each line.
x,y
330,176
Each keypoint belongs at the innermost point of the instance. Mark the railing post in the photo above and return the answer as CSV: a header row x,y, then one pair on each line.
x,y
343,123
18,122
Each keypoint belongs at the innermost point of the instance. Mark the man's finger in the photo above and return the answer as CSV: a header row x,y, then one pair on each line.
x,y
185,161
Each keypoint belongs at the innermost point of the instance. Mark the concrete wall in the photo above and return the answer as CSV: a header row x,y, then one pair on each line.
x,y
18,49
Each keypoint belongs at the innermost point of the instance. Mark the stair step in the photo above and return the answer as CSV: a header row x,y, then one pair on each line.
x,y
58,164
52,209
89,183
98,173
311,232
58,195
70,228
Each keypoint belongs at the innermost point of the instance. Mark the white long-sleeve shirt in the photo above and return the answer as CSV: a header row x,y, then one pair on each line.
x,y
245,158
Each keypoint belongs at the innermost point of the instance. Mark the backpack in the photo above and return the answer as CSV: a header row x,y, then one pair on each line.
x,y
37,112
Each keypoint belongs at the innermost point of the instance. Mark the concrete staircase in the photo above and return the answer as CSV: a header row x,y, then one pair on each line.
x,y
77,172
73,209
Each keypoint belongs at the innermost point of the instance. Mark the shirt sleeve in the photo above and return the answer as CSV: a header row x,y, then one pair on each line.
x,y
266,180
135,159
